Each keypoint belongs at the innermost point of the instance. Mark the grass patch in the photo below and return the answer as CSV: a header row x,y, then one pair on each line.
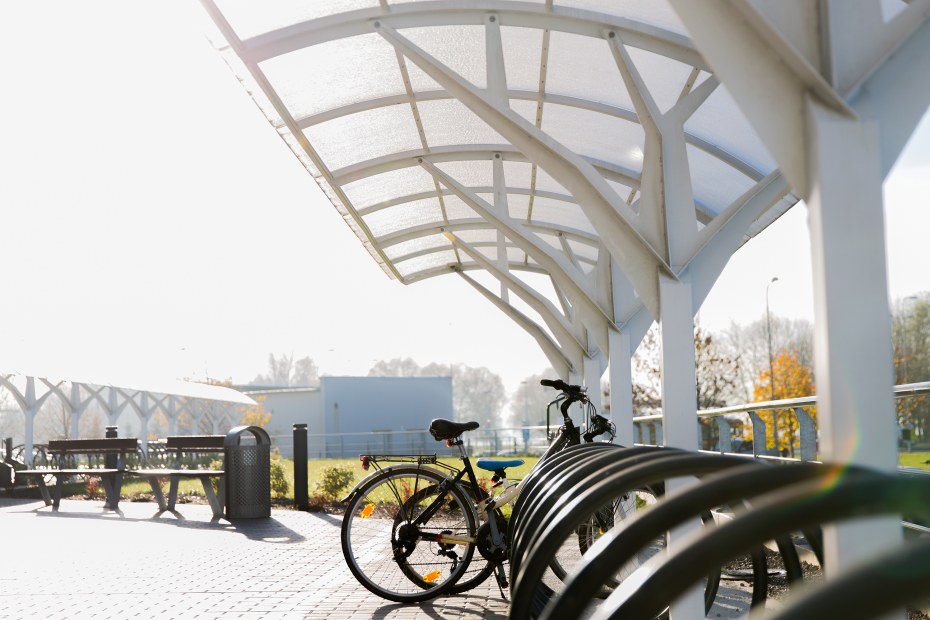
x,y
134,487
920,460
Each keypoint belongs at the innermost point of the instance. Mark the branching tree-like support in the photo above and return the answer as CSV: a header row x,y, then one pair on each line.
x,y
203,404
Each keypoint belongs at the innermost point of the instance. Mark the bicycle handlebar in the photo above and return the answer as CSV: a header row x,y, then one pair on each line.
x,y
571,390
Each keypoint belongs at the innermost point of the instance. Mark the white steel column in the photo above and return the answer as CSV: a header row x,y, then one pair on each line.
x,y
621,386
853,360
679,396
30,405
174,412
592,379
679,409
146,409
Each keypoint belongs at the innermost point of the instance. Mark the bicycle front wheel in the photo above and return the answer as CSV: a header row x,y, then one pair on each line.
x,y
391,552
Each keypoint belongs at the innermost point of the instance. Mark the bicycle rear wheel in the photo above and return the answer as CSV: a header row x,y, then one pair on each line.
x,y
389,553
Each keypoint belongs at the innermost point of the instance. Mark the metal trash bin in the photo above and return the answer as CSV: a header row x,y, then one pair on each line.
x,y
248,474
7,477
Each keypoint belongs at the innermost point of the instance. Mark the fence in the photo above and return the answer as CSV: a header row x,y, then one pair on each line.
x,y
723,435
803,444
483,442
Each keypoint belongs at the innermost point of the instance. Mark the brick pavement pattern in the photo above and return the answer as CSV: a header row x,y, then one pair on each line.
x,y
85,562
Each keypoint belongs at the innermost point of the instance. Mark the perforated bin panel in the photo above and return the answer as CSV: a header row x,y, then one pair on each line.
x,y
248,480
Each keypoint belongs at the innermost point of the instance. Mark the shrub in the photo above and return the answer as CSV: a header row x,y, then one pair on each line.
x,y
92,488
333,481
279,485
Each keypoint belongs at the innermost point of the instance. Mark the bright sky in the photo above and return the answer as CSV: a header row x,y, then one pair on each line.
x,y
154,223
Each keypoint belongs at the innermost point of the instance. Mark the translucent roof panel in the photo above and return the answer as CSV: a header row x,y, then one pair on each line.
x,y
522,49
385,101
584,67
596,135
427,262
250,18
647,11
449,122
406,215
415,246
722,123
461,48
373,133
381,77
561,214
471,173
403,182
456,209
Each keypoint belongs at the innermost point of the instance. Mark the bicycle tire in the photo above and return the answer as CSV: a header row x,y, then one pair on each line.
x,y
402,568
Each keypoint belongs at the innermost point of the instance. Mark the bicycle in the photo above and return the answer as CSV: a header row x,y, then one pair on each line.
x,y
411,527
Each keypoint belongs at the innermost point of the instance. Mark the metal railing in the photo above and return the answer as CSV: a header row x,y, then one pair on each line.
x,y
648,428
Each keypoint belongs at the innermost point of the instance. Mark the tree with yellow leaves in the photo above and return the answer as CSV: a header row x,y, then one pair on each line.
x,y
256,414
792,380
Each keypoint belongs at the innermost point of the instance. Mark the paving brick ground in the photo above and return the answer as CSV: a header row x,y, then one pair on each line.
x,y
84,562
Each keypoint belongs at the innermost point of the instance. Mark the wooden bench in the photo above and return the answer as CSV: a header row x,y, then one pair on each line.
x,y
178,448
105,458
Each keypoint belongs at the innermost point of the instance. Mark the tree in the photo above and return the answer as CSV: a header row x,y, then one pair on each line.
x,y
793,379
528,403
749,344
399,367
256,414
647,374
284,371
53,420
253,415
477,393
716,373
911,338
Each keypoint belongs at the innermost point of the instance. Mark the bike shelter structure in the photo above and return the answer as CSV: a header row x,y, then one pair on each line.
x,y
590,167
209,404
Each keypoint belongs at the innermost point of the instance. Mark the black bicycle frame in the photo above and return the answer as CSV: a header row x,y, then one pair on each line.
x,y
447,484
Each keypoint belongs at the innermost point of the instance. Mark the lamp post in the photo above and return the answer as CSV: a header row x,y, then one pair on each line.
x,y
526,422
768,329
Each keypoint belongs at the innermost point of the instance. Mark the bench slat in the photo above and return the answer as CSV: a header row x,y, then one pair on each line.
x,y
70,472
194,443
92,446
194,473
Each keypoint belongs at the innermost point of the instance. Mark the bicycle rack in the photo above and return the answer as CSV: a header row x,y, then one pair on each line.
x,y
768,501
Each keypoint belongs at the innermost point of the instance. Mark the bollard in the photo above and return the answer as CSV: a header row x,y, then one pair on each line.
x,y
110,459
301,499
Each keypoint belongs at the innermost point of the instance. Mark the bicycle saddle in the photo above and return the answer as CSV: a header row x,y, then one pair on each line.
x,y
447,429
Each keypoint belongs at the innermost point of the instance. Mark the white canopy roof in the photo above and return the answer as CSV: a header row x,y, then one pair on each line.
x,y
515,137
130,384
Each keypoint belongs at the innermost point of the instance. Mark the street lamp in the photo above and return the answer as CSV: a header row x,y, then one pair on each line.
x,y
768,329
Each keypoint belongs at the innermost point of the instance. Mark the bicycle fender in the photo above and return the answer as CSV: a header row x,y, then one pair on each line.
x,y
373,474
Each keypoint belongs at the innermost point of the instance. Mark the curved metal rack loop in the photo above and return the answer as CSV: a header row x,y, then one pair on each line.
x,y
856,493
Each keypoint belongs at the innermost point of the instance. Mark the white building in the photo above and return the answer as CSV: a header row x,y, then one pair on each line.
x,y
347,416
